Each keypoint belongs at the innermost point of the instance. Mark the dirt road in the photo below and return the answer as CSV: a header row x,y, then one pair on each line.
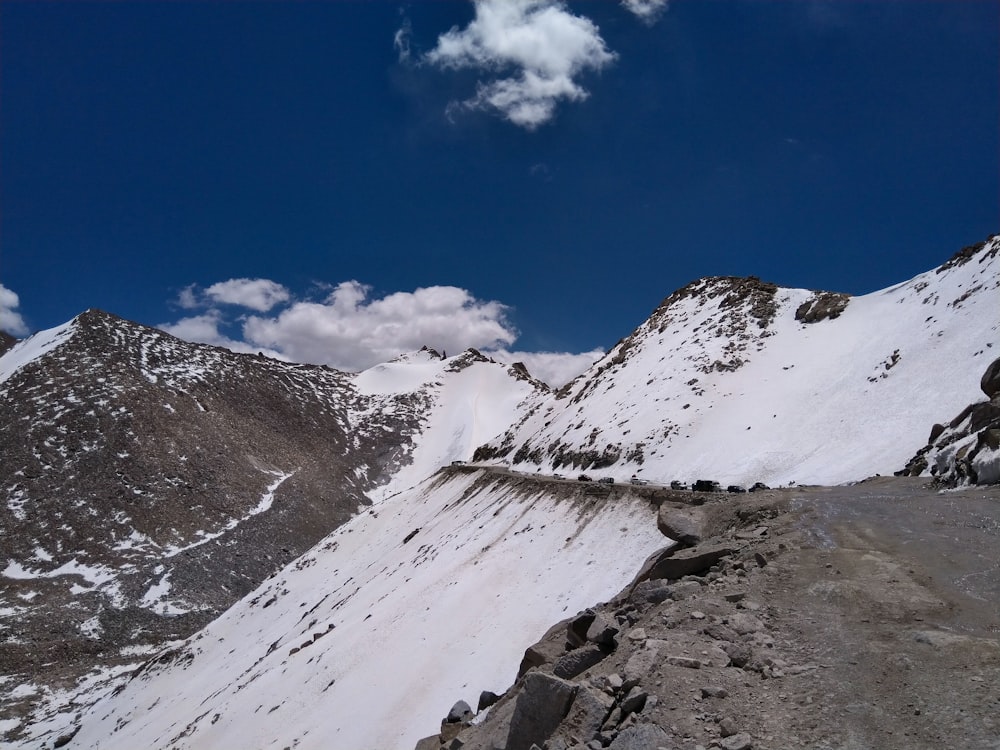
x,y
863,617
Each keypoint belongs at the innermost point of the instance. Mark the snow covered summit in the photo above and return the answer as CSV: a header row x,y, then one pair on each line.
x,y
742,381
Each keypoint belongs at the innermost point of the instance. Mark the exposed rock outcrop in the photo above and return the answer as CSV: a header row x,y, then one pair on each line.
x,y
822,306
596,679
967,449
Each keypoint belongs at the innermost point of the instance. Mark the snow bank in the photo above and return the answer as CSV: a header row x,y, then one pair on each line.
x,y
368,640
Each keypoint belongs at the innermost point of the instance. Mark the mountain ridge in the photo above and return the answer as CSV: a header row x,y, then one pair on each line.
x,y
725,356
150,483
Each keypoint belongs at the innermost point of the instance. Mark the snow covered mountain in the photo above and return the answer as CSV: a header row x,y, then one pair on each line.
x,y
150,483
208,549
427,596
739,381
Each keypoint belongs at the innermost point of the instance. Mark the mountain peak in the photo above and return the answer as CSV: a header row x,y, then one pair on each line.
x,y
988,248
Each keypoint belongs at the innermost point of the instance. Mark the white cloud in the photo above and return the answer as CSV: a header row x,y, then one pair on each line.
x,y
401,40
648,11
11,320
540,43
254,294
189,298
351,330
553,368
204,329
257,294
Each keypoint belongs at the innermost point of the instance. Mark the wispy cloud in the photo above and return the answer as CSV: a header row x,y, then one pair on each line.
x,y
254,294
401,40
647,11
11,321
534,50
351,329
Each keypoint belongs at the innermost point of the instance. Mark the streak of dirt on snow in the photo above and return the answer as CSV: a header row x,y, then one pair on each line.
x,y
354,627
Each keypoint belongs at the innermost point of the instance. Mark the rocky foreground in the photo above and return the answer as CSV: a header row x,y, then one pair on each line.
x,y
861,616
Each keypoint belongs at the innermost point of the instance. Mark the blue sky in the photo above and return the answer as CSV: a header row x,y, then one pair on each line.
x,y
338,181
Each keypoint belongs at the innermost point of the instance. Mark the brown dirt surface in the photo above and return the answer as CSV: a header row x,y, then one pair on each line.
x,y
893,591
862,617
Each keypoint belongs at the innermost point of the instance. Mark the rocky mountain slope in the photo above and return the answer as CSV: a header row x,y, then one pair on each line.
x,y
741,381
149,483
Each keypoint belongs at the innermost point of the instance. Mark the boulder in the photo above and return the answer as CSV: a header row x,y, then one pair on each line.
x,y
741,741
990,438
685,590
651,592
493,731
578,660
691,561
450,732
542,704
551,646
991,379
602,631
739,653
635,701
643,662
589,710
684,524
982,415
744,623
487,699
429,743
576,631
461,712
640,737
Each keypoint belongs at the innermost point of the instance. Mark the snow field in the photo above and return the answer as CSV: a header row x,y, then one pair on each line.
x,y
32,348
467,408
416,625
822,403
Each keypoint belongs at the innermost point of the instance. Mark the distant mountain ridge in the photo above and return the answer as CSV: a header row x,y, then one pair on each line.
x,y
149,483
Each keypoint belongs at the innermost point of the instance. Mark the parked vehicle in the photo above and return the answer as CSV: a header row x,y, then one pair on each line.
x,y
635,480
606,480
707,485
584,478
736,488
757,486
676,485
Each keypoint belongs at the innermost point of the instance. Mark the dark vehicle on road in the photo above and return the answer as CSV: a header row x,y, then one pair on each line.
x,y
606,480
676,485
757,486
736,488
707,485
584,478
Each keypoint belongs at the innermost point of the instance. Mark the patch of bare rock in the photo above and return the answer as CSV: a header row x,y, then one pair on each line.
x,y
967,449
783,620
